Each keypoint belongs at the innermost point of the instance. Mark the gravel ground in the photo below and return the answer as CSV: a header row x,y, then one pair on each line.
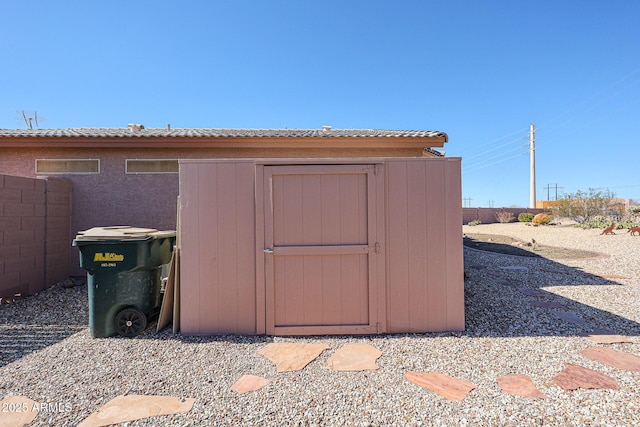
x,y
47,354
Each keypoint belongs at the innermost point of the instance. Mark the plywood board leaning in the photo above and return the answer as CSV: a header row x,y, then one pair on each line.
x,y
166,309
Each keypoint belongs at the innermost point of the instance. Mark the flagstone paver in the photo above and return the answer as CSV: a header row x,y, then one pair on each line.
x,y
133,407
570,316
611,357
607,339
249,383
546,304
496,273
354,357
17,411
533,292
505,282
519,385
448,387
573,377
514,267
611,276
290,356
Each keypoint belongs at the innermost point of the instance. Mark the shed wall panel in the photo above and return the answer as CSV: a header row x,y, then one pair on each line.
x,y
421,282
217,256
425,286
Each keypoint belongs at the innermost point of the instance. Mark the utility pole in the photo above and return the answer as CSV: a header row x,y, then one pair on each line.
x,y
467,202
532,168
557,191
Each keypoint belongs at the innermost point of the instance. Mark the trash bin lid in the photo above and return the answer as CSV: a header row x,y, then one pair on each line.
x,y
122,232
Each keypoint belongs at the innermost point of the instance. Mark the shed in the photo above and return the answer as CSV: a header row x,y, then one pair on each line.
x,y
320,246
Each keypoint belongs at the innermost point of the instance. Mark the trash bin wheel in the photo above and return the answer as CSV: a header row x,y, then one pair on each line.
x,y
130,322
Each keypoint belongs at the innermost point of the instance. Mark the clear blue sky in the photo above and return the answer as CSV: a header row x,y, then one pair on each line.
x,y
481,71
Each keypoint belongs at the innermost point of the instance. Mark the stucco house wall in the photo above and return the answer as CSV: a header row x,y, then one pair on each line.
x,y
113,197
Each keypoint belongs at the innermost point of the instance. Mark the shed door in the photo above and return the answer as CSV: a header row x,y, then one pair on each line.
x,y
320,249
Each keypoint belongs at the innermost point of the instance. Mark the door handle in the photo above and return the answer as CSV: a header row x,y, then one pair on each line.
x,y
268,251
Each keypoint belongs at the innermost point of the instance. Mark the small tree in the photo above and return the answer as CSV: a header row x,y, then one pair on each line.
x,y
582,206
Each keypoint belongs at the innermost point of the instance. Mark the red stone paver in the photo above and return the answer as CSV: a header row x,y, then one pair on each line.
x,y
133,407
607,338
532,292
547,304
573,377
570,316
519,385
611,357
290,356
249,383
610,276
354,357
448,387
17,411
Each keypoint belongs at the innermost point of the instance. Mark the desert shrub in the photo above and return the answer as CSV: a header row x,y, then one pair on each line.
x,y
583,205
599,221
525,217
504,217
475,222
627,223
633,210
542,219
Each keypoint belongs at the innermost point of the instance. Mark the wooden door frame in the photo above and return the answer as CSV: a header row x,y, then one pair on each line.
x,y
265,297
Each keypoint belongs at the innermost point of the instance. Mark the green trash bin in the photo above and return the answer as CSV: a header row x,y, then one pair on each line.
x,y
123,267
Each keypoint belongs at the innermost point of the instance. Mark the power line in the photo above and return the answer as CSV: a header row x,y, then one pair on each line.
x,y
497,148
495,163
588,99
475,147
482,161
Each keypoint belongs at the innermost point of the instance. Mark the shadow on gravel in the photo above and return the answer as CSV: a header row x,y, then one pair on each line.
x,y
510,300
38,321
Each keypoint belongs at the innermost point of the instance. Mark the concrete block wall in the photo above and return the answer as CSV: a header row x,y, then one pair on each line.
x,y
24,234
488,215
58,229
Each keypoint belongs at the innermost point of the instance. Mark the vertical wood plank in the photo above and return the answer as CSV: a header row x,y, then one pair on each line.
x,y
331,290
417,242
454,251
311,210
189,237
436,250
207,228
245,264
227,216
330,194
313,302
379,261
260,245
270,270
398,269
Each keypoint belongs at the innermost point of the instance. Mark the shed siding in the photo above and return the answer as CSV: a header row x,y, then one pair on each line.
x,y
420,284
217,248
425,285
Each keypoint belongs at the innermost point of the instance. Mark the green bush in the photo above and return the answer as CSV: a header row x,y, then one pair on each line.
x,y
598,221
633,210
475,222
525,217
627,223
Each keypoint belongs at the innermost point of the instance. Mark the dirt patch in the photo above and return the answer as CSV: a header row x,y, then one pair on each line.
x,y
511,246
